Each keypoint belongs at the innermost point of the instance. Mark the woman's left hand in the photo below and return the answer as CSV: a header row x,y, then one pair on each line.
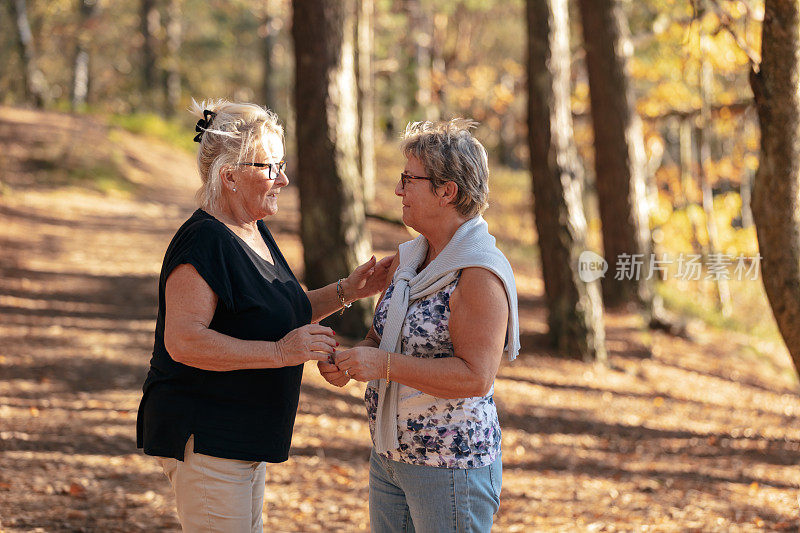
x,y
362,363
367,279
332,374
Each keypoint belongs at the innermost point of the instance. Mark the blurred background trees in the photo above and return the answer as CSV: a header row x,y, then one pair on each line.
x,y
659,134
575,312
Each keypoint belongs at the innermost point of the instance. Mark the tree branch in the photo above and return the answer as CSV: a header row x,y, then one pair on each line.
x,y
726,24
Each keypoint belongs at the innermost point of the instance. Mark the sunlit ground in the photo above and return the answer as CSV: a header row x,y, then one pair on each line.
x,y
674,435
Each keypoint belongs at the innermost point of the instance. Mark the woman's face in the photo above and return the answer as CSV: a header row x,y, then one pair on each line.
x,y
255,191
420,203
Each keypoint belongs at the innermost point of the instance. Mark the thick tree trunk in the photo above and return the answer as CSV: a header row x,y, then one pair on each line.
x,y
334,235
620,160
80,71
172,72
575,308
366,97
34,81
776,191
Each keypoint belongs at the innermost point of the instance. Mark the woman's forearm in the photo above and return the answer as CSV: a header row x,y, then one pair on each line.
x,y
325,301
443,377
210,350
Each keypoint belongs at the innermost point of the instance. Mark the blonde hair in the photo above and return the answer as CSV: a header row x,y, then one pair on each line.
x,y
449,152
234,134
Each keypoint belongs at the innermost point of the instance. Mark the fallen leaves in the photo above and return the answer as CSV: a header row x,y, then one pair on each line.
x,y
673,442
76,490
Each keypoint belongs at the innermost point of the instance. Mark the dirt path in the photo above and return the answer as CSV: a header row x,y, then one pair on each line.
x,y
700,436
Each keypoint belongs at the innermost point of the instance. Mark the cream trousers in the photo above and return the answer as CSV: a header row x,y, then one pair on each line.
x,y
216,495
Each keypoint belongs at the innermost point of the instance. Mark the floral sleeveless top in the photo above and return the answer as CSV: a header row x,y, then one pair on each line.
x,y
450,433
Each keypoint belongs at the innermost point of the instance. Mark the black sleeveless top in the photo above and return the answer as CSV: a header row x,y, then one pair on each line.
x,y
239,414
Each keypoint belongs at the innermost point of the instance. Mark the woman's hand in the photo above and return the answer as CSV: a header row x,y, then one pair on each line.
x,y
362,363
367,279
332,374
306,343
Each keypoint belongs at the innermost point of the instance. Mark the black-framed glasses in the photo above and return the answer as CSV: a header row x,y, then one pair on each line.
x,y
274,168
404,177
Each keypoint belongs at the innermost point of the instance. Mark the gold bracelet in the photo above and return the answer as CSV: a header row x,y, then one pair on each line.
x,y
388,364
340,294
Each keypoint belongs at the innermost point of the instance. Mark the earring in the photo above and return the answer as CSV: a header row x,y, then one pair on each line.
x,y
234,189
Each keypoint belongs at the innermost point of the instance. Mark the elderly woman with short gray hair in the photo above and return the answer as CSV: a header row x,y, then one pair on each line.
x,y
435,346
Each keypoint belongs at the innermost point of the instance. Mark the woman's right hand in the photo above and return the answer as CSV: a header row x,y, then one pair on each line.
x,y
305,343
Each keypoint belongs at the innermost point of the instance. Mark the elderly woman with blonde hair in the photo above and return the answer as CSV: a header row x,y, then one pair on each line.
x,y
435,346
233,329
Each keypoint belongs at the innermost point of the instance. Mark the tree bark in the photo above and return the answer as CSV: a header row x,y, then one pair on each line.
x,y
80,71
35,83
335,238
776,191
619,159
366,97
575,309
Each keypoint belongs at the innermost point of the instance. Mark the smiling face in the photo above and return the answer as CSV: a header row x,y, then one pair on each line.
x,y
420,202
256,194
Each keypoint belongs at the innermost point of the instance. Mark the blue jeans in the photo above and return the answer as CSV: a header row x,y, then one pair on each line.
x,y
413,498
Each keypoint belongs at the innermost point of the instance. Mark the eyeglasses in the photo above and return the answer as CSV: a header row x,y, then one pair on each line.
x,y
277,168
405,177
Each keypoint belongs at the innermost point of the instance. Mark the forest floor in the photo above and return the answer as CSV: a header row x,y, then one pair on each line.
x,y
699,434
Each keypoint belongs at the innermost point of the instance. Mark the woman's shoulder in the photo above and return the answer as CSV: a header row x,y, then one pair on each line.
x,y
200,235
202,227
202,222
479,283
478,274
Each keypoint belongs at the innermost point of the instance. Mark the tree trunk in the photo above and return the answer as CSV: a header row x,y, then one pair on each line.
x,y
34,81
776,191
575,308
366,97
80,72
746,185
420,35
685,143
439,65
720,283
268,86
334,235
149,22
172,72
620,160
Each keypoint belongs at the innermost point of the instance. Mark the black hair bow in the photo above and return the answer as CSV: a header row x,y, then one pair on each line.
x,y
203,124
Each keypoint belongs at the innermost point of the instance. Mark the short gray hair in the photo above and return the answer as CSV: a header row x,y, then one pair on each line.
x,y
234,135
449,152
